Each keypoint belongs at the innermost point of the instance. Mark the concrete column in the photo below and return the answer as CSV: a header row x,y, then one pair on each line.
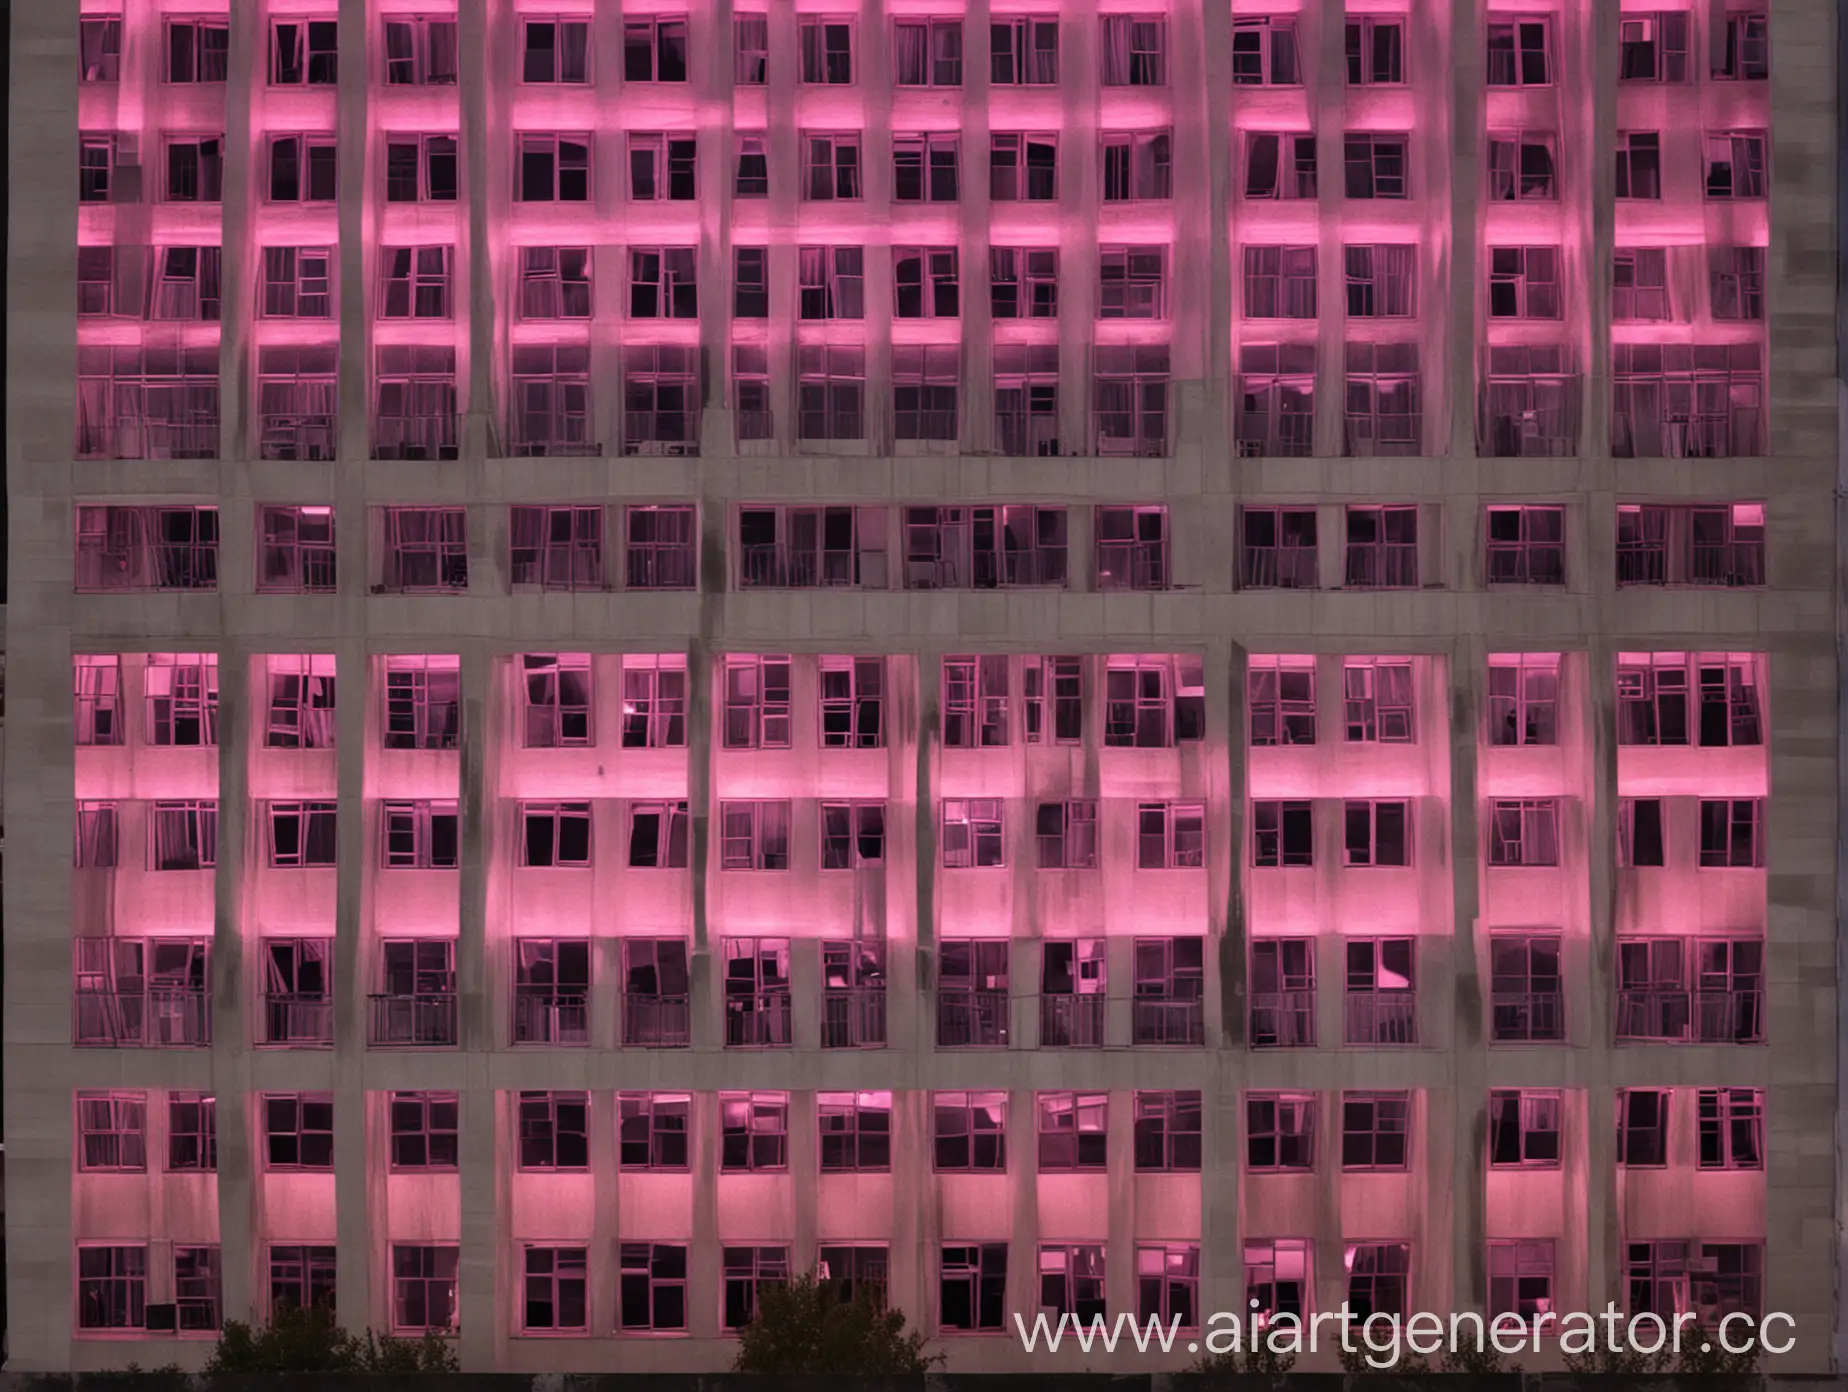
x,y
977,426
362,1219
704,1271
1120,1291
1023,1187
1468,77
246,73
1329,107
804,1176
240,1249
1080,187
479,428
1457,1117
355,256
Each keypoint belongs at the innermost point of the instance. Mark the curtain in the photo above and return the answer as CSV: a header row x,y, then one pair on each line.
x,y
910,54
1115,48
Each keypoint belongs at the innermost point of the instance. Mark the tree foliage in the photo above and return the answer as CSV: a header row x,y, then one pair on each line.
x,y
809,1326
309,1341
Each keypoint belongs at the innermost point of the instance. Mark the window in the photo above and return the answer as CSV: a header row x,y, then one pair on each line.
x,y
1277,1280
1024,284
1377,165
420,169
1071,1282
423,1288
1276,404
304,52
554,168
1639,286
756,703
1264,51
1023,167
1524,699
1640,837
852,702
423,702
414,417
97,708
1382,548
654,702
192,1132
1519,47
549,412
297,992
1381,407
108,168
1377,833
984,548
1746,55
975,692
754,1130
1526,546
1527,1000
658,836
1134,48
926,283
1521,1279
1129,394
99,48
924,379
856,1131
750,48
1058,682
653,1287
1375,47
654,49
1154,702
1654,47
424,1132
1280,1131
972,833
1642,1127
301,169
1723,545
1138,165
832,165
297,387
1639,164
1074,1130
660,401
1132,548
112,1288
161,403
96,836
1382,281
1026,375
1170,835
420,51
1523,166
1282,834
1652,698
554,282
1524,282
184,836
1732,833
1283,993
112,1131
556,50
1280,164
554,1298
1167,1131
927,52
1377,701
420,836
1373,1130
1072,979
811,547
750,283
830,285
969,1132
298,1131
1524,832
757,1002
1529,402
972,993
415,282
654,1130
1131,282
1023,50
196,1287
751,392
1652,991
826,44
301,702
755,836
1736,164
551,991
555,833
747,1271
661,166
924,167
300,1277
1279,282
1170,990
1732,1128
663,283
1737,278
1382,994
1687,401
557,697
297,283
554,1130
1523,1129
198,50
858,1271
972,1286
853,975
98,295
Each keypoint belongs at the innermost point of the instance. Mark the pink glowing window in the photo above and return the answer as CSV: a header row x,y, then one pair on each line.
x,y
757,714
302,835
1023,50
420,169
423,702
1732,833
97,710
557,697
1023,166
975,696
1654,47
1736,164
195,168
1642,1127
1377,833
830,389
654,1130
1053,700
750,48
1282,697
1687,401
1527,999
973,833
859,1271
1639,286
1520,50
658,836
196,1288
1138,166
1523,1129
554,283
183,836
654,698
1132,281
663,283
112,1131
853,1000
108,168
1282,834
1067,835
96,836
414,417
551,991
1074,1131
1167,1131
192,1133
1129,400
831,284
415,282
1524,282
1382,544
98,295
826,48
1732,1128
924,385
99,48
1264,51
112,1287
297,283
972,994
1639,165
556,548
1381,412
1381,1002
416,1003
1170,835
1746,54
1653,699
1025,284
753,1132
1071,1281
133,993
424,1133
985,548
301,169
419,835
654,49
185,287
1279,1132
298,1002
553,168
1376,165
1375,48
660,400
1374,1130
1524,699
852,702
1736,277
1377,701
549,413
1382,281
1524,832
298,1131
831,162
554,1130
162,404
927,52
856,1132
812,547
1280,164
1283,993
555,49
304,52
925,283
1526,545
1665,1278
653,1287
1073,974
297,395
1529,403
754,835
1168,1008
420,51
925,167
555,833
1277,1279
747,1271
301,1277
1641,840
969,1131
1134,50
554,1290
1280,283
757,1000
197,50
1379,1274
1276,413
750,282
1168,1284
1523,166
423,1288
1521,1279
301,701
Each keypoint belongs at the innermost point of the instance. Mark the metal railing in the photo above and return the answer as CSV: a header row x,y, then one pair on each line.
x,y
298,1019
1534,1016
1660,1015
1027,434
1072,1022
854,1018
1278,567
757,1020
310,438
1385,565
428,1019
155,1017
1382,1017
1168,1022
656,1022
661,568
1132,566
1283,1019
414,437
154,565
544,1015
972,1019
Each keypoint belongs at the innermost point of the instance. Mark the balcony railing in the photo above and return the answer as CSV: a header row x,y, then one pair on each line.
x,y
1382,1017
1659,1015
1382,566
659,433
1169,1022
1132,566
1027,434
426,1019
1533,1016
1731,1017
1674,1016
972,1019
304,1021
1642,563
553,436
544,1015
150,439
661,568
656,1022
414,437
1072,1022
310,438
1283,1019
854,1018
757,1020
156,1017
1279,568
774,567
1729,563
149,566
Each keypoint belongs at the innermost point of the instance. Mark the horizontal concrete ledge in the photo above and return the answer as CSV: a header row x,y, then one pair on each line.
x,y
1048,1381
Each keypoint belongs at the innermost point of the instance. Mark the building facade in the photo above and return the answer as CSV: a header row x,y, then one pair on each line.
x,y
594,725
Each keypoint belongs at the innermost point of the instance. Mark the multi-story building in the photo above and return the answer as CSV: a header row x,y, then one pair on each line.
x,y
594,724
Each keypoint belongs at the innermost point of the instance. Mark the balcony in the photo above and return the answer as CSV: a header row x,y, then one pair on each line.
x,y
972,1019
299,1021
426,1020
1675,1016
156,1017
775,567
1527,1016
757,1020
1171,1022
658,433
1072,1022
542,1015
148,566
127,438
854,1018
1382,1017
656,1022
1132,566
312,438
1283,1019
